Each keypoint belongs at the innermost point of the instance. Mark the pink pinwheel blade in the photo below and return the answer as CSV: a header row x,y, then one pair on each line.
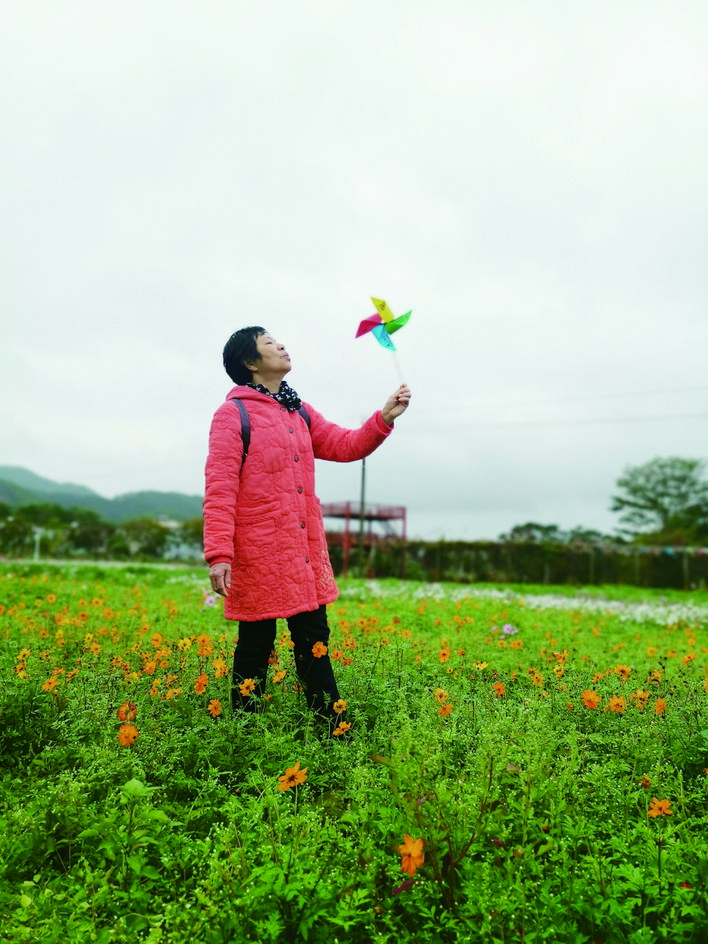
x,y
368,324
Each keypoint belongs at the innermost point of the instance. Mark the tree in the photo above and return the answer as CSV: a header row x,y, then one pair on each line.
x,y
535,533
664,498
144,537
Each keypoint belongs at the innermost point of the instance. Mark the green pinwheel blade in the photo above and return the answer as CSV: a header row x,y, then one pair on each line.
x,y
393,326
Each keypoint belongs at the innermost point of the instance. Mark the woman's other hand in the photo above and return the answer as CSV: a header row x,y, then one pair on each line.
x,y
220,576
396,404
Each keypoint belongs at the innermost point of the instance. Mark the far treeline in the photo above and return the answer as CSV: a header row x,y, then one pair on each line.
x,y
660,540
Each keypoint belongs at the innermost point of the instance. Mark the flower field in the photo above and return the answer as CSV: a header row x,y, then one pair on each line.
x,y
510,765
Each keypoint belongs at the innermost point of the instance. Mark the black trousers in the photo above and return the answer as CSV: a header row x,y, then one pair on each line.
x,y
256,640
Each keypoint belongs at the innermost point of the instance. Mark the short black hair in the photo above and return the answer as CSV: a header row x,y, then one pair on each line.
x,y
241,347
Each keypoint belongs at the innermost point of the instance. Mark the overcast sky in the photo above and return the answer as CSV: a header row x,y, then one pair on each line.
x,y
531,179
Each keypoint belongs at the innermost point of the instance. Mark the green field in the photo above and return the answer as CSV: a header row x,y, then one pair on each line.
x,y
523,764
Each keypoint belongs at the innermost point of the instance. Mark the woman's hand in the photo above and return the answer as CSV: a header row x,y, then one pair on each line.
x,y
396,404
220,576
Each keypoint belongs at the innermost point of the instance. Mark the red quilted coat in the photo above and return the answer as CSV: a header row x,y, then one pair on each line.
x,y
265,520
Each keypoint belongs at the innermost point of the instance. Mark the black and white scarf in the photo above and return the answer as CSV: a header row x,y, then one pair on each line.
x,y
285,396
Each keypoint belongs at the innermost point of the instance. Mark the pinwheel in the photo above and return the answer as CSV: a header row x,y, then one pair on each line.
x,y
383,324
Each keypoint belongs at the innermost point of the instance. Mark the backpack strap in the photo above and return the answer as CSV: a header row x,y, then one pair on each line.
x,y
245,427
246,424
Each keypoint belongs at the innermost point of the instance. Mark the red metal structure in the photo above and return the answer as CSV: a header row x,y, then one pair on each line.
x,y
363,519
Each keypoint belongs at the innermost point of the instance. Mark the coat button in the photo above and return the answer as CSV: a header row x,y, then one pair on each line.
x,y
297,458
290,429
307,560
299,489
302,524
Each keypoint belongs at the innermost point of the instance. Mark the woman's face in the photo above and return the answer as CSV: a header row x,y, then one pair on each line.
x,y
274,359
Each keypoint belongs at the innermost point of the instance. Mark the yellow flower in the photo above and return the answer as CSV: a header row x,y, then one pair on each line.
x,y
220,667
292,777
440,695
412,854
623,671
659,807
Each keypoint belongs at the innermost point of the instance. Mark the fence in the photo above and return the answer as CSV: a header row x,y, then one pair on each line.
x,y
511,562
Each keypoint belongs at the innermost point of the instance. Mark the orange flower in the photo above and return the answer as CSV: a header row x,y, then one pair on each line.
x,y
444,655
645,782
641,698
201,683
590,699
204,646
319,649
659,807
214,707
127,711
292,777
280,675
659,706
247,686
50,684
412,854
445,710
440,695
623,671
127,734
339,706
499,688
617,704
341,728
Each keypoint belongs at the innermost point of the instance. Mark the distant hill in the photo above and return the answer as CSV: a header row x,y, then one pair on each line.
x,y
21,487
36,483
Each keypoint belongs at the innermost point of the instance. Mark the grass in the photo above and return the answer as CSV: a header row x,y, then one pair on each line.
x,y
534,758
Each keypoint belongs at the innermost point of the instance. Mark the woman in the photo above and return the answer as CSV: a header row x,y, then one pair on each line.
x,y
264,538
